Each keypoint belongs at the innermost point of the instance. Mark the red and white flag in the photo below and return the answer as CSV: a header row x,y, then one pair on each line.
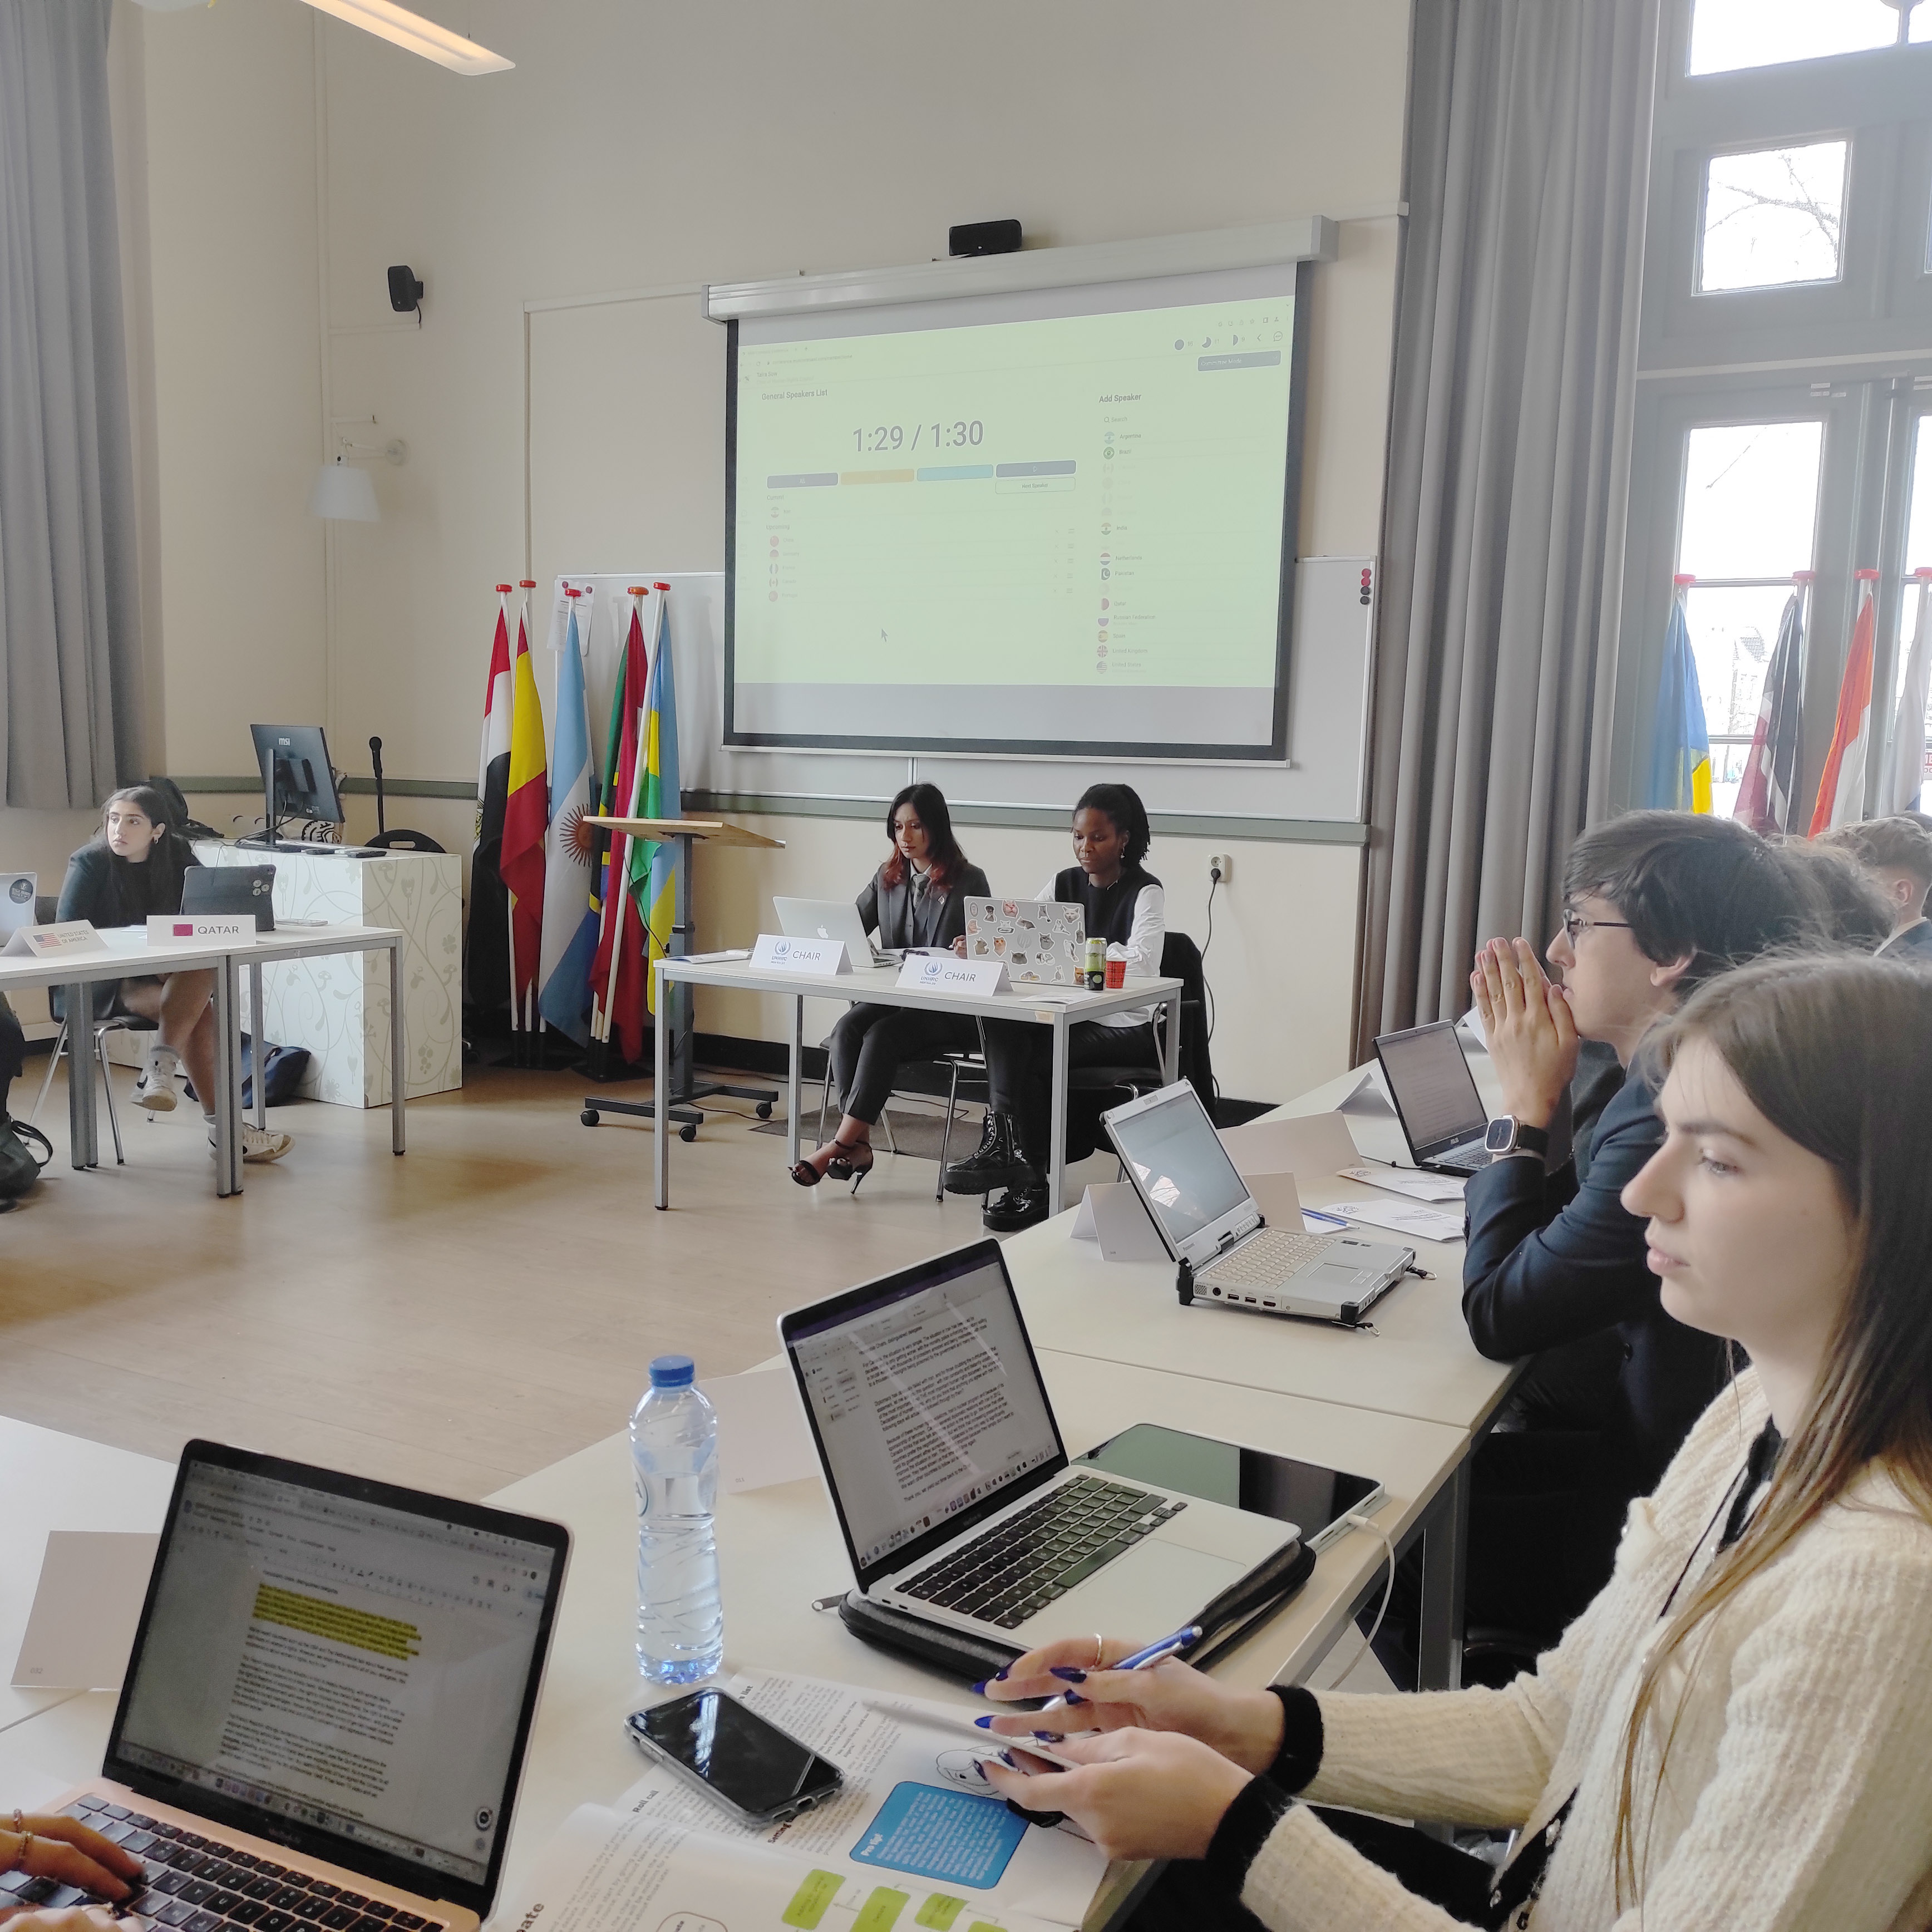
x,y
493,767
1841,790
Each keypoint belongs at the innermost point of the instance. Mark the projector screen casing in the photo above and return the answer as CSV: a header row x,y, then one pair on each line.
x,y
743,728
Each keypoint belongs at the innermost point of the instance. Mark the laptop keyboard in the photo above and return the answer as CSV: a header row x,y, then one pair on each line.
x,y
1465,1160
199,1885
1024,1563
1266,1259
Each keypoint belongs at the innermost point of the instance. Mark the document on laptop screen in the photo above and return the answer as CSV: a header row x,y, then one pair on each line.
x,y
1439,1099
925,1401
353,1667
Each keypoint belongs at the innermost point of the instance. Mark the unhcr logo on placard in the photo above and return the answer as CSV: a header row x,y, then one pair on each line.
x,y
931,969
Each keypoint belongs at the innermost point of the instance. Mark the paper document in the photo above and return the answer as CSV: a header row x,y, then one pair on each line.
x,y
1425,1224
81,1626
915,1831
1410,1181
762,1436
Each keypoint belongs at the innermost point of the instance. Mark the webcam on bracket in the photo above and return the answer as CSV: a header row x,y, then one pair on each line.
x,y
406,292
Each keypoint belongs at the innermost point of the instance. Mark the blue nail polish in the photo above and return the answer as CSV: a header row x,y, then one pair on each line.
x,y
1067,1674
1073,1697
1000,1676
1048,1737
1006,1758
985,1723
980,1689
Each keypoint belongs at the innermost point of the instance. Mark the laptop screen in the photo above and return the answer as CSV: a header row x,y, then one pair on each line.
x,y
1434,1091
923,1394
1182,1170
336,1668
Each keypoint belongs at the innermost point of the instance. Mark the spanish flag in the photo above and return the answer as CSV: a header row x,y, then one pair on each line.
x,y
1680,752
526,821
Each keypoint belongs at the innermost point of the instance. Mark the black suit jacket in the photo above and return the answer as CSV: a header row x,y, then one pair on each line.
x,y
938,920
1553,1263
96,890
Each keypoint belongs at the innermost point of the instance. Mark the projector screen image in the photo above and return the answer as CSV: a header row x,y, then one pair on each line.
x,y
1055,522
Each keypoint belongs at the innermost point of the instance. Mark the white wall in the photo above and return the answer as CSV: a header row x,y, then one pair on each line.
x,y
640,147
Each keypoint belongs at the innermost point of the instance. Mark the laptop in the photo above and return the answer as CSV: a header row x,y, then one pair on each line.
x,y
952,1484
209,891
1040,941
327,1702
1442,1115
16,901
1213,1227
833,919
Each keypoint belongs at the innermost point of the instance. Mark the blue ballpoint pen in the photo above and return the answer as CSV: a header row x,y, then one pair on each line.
x,y
1333,1220
1140,1660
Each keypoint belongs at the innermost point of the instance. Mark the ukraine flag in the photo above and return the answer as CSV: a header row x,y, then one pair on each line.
x,y
1680,756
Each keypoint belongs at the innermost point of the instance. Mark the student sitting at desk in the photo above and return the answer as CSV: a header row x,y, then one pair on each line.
x,y
917,897
1895,855
1733,1735
1655,903
128,873
1124,904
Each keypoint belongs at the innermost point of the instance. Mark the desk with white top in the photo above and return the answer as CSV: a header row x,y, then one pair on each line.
x,y
1059,1007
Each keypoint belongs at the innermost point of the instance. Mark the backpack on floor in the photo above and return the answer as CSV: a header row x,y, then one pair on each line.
x,y
20,1165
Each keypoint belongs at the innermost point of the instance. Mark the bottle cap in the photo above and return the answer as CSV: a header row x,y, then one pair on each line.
x,y
674,1372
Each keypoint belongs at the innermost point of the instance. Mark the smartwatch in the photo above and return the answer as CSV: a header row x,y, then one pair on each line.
x,y
1508,1134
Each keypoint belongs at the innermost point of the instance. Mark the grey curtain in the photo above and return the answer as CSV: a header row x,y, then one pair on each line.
x,y
70,645
1516,356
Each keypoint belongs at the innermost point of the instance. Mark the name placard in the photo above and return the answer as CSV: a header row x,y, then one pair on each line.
x,y
163,928
936,973
70,937
822,959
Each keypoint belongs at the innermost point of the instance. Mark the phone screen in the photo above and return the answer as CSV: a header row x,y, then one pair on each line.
x,y
746,1761
1303,1493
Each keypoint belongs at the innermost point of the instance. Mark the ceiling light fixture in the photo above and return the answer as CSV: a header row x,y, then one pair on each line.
x,y
405,29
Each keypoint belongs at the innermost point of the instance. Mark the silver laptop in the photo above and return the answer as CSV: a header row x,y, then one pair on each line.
x,y
951,1483
833,919
1040,941
1442,1115
16,901
328,1703
1214,1227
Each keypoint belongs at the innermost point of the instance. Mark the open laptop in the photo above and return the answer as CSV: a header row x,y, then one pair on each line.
x,y
833,919
1214,1228
16,901
952,1485
1442,1115
210,890
327,1702
1040,941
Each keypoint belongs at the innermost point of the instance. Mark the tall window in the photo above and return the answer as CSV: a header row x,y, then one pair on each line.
x,y
1784,421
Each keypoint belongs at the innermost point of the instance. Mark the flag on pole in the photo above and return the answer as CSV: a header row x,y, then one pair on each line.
x,y
526,821
1841,790
569,923
493,764
1680,756
654,864
485,949
617,974
1766,800
1904,777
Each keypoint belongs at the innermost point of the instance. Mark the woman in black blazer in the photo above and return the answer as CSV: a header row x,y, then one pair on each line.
x,y
916,898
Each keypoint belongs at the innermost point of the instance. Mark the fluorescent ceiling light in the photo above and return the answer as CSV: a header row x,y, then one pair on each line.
x,y
411,31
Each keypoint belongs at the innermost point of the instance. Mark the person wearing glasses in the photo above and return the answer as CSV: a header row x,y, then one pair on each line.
x,y
1655,903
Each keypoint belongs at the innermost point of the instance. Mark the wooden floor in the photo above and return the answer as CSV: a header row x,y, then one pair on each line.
x,y
454,1319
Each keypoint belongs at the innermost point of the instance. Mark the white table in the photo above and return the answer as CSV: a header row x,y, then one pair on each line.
x,y
128,953
1058,1007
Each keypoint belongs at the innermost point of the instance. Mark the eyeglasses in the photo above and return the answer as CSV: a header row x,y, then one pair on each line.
x,y
1575,922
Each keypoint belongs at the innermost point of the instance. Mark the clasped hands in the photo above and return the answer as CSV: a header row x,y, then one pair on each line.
x,y
1168,1750
1527,1027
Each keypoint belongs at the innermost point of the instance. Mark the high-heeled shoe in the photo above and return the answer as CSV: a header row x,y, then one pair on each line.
x,y
838,1167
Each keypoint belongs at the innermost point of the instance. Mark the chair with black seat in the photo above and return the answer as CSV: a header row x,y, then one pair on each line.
x,y
113,1023
962,1072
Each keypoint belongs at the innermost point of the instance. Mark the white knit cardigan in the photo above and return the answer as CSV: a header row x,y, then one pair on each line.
x,y
1798,1796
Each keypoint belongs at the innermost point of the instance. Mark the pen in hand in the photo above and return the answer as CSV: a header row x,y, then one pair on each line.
x,y
1140,1660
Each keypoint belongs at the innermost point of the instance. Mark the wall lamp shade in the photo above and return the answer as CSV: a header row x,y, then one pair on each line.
x,y
405,29
344,493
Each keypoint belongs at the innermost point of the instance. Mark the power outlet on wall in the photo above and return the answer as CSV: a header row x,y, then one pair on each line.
x,y
1220,866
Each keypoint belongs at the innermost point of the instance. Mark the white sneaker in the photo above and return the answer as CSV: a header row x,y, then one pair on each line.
x,y
154,1086
258,1143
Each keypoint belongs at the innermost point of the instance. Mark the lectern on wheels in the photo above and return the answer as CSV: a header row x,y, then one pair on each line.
x,y
680,1089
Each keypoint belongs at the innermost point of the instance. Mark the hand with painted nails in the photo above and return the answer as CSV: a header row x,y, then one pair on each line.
x,y
1243,1727
69,1852
1137,1794
1527,1027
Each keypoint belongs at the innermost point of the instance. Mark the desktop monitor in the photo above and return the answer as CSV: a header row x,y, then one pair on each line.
x,y
297,780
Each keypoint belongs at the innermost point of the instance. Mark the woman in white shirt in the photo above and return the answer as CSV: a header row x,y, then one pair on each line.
x,y
1734,1734
1122,903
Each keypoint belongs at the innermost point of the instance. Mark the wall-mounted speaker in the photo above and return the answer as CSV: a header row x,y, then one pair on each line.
x,y
406,292
983,238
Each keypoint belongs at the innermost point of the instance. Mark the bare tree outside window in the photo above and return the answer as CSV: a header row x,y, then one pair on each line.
x,y
1773,217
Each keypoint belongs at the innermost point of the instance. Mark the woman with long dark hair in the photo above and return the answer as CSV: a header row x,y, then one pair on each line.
x,y
917,897
130,870
1733,1734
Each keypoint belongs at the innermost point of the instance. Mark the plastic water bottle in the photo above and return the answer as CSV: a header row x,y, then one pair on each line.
x,y
674,1451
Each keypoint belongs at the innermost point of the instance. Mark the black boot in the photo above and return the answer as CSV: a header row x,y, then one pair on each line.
x,y
995,1163
1021,1206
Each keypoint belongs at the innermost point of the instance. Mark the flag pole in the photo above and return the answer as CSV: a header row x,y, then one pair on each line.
x,y
533,1019
619,874
509,907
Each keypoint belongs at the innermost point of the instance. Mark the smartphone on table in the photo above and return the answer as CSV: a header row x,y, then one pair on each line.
x,y
762,1773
